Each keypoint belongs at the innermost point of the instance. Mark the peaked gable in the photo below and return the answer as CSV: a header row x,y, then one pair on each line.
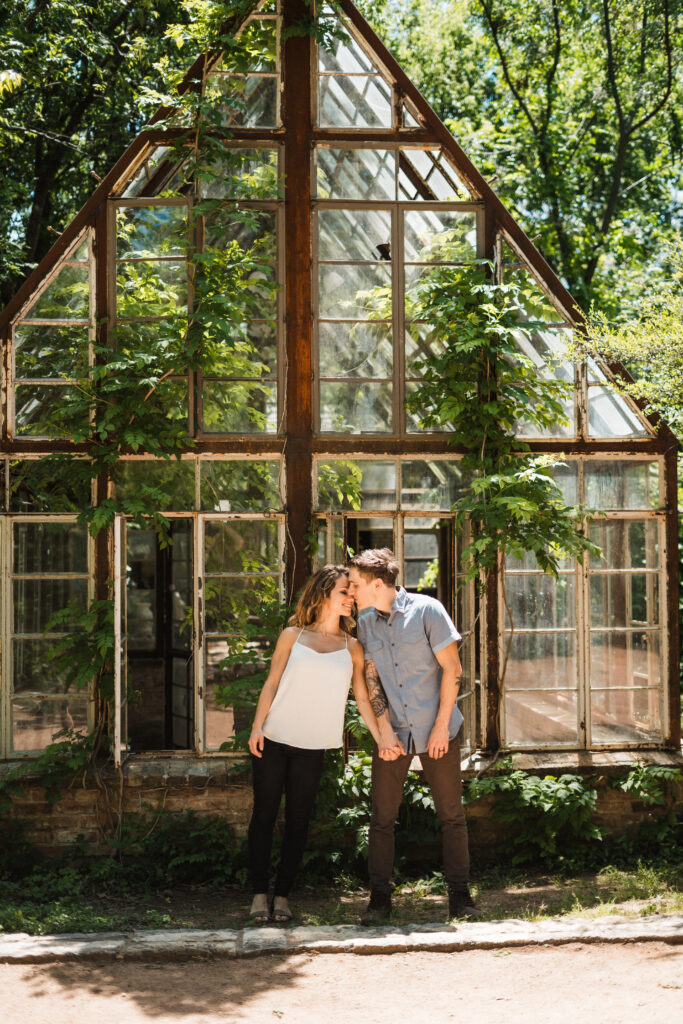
x,y
362,95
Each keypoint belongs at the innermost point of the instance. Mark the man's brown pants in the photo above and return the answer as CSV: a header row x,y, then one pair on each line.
x,y
444,779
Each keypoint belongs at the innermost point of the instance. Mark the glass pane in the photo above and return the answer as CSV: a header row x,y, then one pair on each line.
x,y
428,557
181,591
170,399
409,119
163,339
425,174
37,723
35,601
355,173
541,718
230,407
440,236
48,548
564,426
566,476
151,289
51,352
355,350
239,486
173,479
356,485
540,602
610,415
231,687
620,659
626,716
546,350
413,421
67,298
251,351
50,485
370,533
535,304
249,101
354,235
330,542
250,228
151,231
628,599
341,54
241,174
241,546
219,720
355,291
542,661
161,168
540,697
45,410
232,602
33,670
625,544
594,372
431,484
354,408
419,342
358,101
621,484
141,589
256,48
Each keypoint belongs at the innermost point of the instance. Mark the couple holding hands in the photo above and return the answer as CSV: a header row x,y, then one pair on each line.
x,y
405,672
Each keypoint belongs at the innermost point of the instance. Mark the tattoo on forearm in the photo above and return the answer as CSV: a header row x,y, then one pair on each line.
x,y
378,698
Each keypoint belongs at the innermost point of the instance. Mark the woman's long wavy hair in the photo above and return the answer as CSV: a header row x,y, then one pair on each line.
x,y
319,587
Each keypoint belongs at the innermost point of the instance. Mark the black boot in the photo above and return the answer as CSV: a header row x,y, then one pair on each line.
x,y
378,909
461,904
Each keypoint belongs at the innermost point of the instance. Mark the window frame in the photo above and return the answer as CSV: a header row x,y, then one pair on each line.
x,y
583,630
7,633
397,209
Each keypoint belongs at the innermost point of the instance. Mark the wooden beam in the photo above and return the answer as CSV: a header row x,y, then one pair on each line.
x,y
298,291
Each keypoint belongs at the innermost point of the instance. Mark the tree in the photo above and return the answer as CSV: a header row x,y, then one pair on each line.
x,y
573,107
76,106
650,343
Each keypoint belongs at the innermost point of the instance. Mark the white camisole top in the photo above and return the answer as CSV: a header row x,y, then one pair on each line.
x,y
308,709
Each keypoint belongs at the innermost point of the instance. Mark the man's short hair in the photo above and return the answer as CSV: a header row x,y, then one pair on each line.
x,y
376,563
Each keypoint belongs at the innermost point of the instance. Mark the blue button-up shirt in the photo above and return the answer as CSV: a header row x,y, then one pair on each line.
x,y
402,647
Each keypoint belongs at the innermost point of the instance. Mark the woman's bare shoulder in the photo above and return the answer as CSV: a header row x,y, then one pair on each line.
x,y
287,637
356,647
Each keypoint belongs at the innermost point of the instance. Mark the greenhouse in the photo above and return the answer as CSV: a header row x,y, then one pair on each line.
x,y
255,262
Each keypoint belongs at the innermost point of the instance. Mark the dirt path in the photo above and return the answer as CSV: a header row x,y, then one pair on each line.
x,y
613,984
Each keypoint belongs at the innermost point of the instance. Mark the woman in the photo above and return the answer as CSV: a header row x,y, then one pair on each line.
x,y
299,715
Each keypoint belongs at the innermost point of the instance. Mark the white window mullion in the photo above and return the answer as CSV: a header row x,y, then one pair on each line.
x,y
198,637
5,632
120,643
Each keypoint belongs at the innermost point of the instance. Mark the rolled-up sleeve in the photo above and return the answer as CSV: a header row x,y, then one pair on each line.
x,y
439,627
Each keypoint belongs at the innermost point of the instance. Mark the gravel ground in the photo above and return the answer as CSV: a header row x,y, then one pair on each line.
x,y
613,984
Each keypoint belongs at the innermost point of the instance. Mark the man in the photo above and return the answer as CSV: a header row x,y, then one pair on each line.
x,y
413,672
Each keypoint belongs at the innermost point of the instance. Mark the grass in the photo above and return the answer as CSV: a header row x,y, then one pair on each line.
x,y
53,900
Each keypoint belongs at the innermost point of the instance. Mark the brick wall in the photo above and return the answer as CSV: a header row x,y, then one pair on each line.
x,y
215,787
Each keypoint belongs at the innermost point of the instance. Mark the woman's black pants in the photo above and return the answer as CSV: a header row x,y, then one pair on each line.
x,y
296,772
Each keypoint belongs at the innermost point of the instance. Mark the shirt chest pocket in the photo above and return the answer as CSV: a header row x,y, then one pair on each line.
x,y
371,648
415,646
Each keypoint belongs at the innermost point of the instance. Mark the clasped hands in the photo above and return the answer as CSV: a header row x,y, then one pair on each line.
x,y
389,745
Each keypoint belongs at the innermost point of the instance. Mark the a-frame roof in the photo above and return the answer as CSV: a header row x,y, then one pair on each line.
x,y
498,217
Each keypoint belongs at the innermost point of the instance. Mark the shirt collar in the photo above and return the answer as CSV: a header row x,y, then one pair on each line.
x,y
398,606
